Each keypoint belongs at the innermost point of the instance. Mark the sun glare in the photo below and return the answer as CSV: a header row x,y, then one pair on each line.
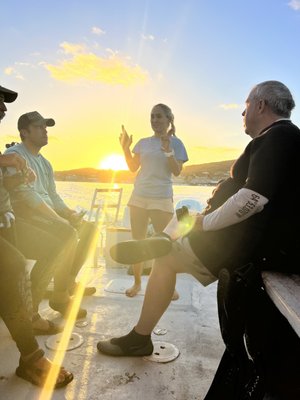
x,y
115,162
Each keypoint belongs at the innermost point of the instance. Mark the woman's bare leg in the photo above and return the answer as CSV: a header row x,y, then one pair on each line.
x,y
139,224
159,293
160,220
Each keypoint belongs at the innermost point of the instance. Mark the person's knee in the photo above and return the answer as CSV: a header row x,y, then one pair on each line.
x,y
88,230
18,266
68,233
163,264
73,234
89,226
14,265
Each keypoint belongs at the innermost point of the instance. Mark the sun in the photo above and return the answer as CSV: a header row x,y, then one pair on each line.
x,y
115,162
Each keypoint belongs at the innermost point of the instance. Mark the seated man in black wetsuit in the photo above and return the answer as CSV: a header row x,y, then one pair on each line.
x,y
252,215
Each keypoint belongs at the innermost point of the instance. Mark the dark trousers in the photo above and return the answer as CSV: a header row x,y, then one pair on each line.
x,y
246,313
271,336
77,243
12,307
86,233
47,250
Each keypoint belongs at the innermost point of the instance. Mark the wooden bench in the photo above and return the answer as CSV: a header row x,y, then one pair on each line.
x,y
284,291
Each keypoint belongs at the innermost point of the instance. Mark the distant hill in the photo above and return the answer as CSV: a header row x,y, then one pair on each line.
x,y
213,170
94,175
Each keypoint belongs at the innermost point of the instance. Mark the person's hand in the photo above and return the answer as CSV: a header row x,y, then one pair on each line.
x,y
125,139
198,222
75,218
13,160
166,143
21,177
29,175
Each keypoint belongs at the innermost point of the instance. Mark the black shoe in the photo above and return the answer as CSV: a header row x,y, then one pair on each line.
x,y
136,251
64,309
114,349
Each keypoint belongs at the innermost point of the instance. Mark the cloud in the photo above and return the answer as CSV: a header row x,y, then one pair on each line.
x,y
71,48
111,52
20,76
147,37
85,65
8,70
294,4
17,69
23,64
229,106
13,72
97,31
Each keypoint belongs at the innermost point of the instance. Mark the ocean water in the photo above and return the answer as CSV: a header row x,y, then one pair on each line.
x,y
79,194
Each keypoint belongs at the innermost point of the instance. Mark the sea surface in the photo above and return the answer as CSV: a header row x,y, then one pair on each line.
x,y
79,194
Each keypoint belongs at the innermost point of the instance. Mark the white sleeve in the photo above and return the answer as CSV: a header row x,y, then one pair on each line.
x,y
237,208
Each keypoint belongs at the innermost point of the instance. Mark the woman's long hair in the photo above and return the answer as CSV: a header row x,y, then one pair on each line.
x,y
170,116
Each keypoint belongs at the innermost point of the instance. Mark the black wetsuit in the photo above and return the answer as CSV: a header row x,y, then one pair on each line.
x,y
269,166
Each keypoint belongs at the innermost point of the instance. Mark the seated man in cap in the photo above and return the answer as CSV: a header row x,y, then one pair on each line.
x,y
40,204
33,366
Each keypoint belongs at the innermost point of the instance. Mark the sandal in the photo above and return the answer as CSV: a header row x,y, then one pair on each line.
x,y
37,376
52,329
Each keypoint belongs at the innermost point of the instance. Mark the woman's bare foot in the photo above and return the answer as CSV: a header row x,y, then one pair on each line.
x,y
134,290
175,295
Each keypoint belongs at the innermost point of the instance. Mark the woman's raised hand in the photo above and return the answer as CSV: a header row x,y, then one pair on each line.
x,y
165,143
125,139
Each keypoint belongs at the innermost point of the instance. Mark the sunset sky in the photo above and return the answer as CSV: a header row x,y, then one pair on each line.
x,y
96,64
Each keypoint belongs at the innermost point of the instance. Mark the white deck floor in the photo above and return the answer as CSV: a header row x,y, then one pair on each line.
x,y
192,326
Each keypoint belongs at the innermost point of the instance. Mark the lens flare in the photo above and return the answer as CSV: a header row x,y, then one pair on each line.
x,y
115,162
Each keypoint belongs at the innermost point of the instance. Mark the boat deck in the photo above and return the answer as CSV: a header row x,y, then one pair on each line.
x,y
192,326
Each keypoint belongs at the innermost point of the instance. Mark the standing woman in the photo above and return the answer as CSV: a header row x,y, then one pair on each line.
x,y
157,158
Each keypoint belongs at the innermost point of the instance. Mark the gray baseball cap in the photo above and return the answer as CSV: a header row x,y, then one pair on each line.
x,y
9,95
33,117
